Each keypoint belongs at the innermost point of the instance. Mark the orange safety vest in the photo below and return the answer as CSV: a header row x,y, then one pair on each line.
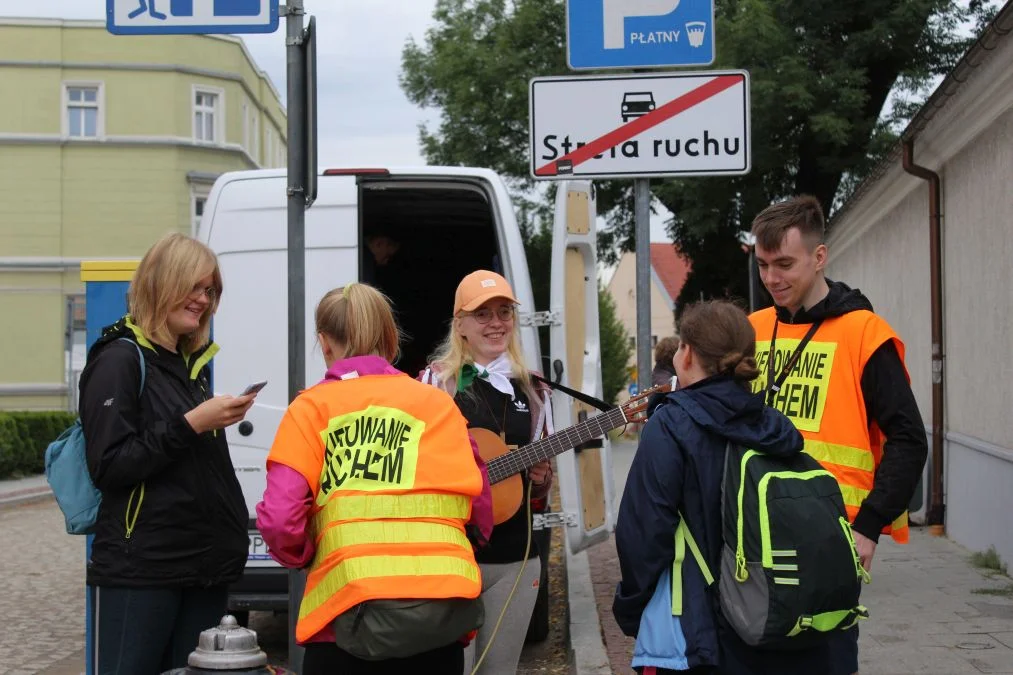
x,y
822,396
393,475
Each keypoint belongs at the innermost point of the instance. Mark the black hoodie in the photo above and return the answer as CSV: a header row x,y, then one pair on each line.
x,y
188,525
890,403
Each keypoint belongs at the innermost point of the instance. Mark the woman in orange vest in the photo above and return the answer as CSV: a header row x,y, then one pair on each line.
x,y
371,483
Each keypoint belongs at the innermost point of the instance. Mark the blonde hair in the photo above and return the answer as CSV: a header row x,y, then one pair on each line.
x,y
359,318
454,352
164,280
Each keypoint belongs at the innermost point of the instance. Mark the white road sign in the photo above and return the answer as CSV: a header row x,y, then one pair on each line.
x,y
670,124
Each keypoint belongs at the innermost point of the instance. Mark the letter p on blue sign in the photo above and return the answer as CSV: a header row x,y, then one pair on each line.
x,y
604,34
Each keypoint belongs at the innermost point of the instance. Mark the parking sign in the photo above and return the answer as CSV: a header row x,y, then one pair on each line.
x,y
639,33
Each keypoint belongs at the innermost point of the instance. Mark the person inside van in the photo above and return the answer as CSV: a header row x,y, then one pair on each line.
x,y
171,533
372,481
677,470
391,270
480,365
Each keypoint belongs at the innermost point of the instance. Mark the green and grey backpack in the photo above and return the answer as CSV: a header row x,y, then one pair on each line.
x,y
790,572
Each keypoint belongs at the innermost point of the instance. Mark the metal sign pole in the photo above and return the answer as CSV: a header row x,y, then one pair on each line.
x,y
296,260
642,229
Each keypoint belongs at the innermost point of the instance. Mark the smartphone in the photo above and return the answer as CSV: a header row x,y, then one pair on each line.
x,y
254,388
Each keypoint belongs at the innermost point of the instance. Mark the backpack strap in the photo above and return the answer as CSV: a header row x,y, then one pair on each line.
x,y
684,537
131,518
829,621
140,355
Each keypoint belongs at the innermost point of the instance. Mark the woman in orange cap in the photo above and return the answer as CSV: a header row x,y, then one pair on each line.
x,y
480,365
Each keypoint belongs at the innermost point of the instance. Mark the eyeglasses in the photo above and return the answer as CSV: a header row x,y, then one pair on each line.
x,y
210,292
485,314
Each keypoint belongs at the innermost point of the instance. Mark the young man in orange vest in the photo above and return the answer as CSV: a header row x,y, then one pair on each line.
x,y
837,371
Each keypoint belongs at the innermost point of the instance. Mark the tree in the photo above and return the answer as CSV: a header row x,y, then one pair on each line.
x,y
821,74
615,347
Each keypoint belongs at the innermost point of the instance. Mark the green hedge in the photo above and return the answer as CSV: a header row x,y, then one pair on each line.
x,y
23,440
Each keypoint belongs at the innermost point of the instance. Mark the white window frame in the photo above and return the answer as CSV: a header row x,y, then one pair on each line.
x,y
198,192
100,106
218,126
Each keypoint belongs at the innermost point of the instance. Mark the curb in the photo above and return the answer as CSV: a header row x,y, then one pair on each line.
x,y
25,496
586,643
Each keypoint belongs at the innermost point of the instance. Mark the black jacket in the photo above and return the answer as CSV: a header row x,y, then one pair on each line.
x,y
172,512
677,468
890,403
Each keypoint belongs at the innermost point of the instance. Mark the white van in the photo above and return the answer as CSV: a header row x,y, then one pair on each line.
x,y
449,222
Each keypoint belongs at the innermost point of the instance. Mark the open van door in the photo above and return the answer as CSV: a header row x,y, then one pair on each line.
x,y
586,489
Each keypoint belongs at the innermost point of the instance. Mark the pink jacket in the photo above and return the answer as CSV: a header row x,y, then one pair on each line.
x,y
283,515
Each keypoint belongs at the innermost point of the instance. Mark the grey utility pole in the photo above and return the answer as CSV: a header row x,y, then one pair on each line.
x,y
642,232
297,181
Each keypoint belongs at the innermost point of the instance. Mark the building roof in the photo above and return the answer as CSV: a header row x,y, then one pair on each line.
x,y
671,267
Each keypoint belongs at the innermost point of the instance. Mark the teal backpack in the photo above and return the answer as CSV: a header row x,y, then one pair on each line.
x,y
68,477
790,571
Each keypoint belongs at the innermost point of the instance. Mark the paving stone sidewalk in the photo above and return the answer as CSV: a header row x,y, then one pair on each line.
x,y
932,612
41,592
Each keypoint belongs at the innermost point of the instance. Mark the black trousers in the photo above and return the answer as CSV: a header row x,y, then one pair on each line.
x,y
146,631
326,658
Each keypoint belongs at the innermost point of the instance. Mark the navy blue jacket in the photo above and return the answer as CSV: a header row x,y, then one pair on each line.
x,y
678,467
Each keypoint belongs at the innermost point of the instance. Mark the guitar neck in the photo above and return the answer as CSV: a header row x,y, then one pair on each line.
x,y
508,464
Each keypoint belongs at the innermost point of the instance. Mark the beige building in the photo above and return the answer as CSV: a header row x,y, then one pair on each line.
x,y
668,274
106,143
881,242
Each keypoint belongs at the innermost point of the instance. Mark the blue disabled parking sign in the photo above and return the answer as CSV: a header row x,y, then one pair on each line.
x,y
152,17
603,34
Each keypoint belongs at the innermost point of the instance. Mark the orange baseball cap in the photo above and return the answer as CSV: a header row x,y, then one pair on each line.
x,y
479,287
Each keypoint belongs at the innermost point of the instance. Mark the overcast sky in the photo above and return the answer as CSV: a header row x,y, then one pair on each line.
x,y
364,117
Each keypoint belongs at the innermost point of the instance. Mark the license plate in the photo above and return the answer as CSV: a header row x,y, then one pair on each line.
x,y
258,555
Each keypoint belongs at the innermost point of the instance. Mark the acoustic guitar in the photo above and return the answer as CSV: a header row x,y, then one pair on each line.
x,y
504,464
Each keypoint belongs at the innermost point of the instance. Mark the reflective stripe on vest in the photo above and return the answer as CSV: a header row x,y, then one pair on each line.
x,y
352,570
380,533
856,458
394,507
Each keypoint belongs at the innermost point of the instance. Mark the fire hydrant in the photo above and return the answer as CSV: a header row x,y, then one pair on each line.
x,y
227,648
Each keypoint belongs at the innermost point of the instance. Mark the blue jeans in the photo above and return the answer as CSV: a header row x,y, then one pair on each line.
x,y
146,631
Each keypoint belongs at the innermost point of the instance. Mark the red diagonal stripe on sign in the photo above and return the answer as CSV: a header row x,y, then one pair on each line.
x,y
642,124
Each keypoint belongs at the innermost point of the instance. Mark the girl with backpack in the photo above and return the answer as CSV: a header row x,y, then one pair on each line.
x,y
677,471
171,533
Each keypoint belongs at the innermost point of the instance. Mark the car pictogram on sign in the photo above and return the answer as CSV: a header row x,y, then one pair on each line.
x,y
637,104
